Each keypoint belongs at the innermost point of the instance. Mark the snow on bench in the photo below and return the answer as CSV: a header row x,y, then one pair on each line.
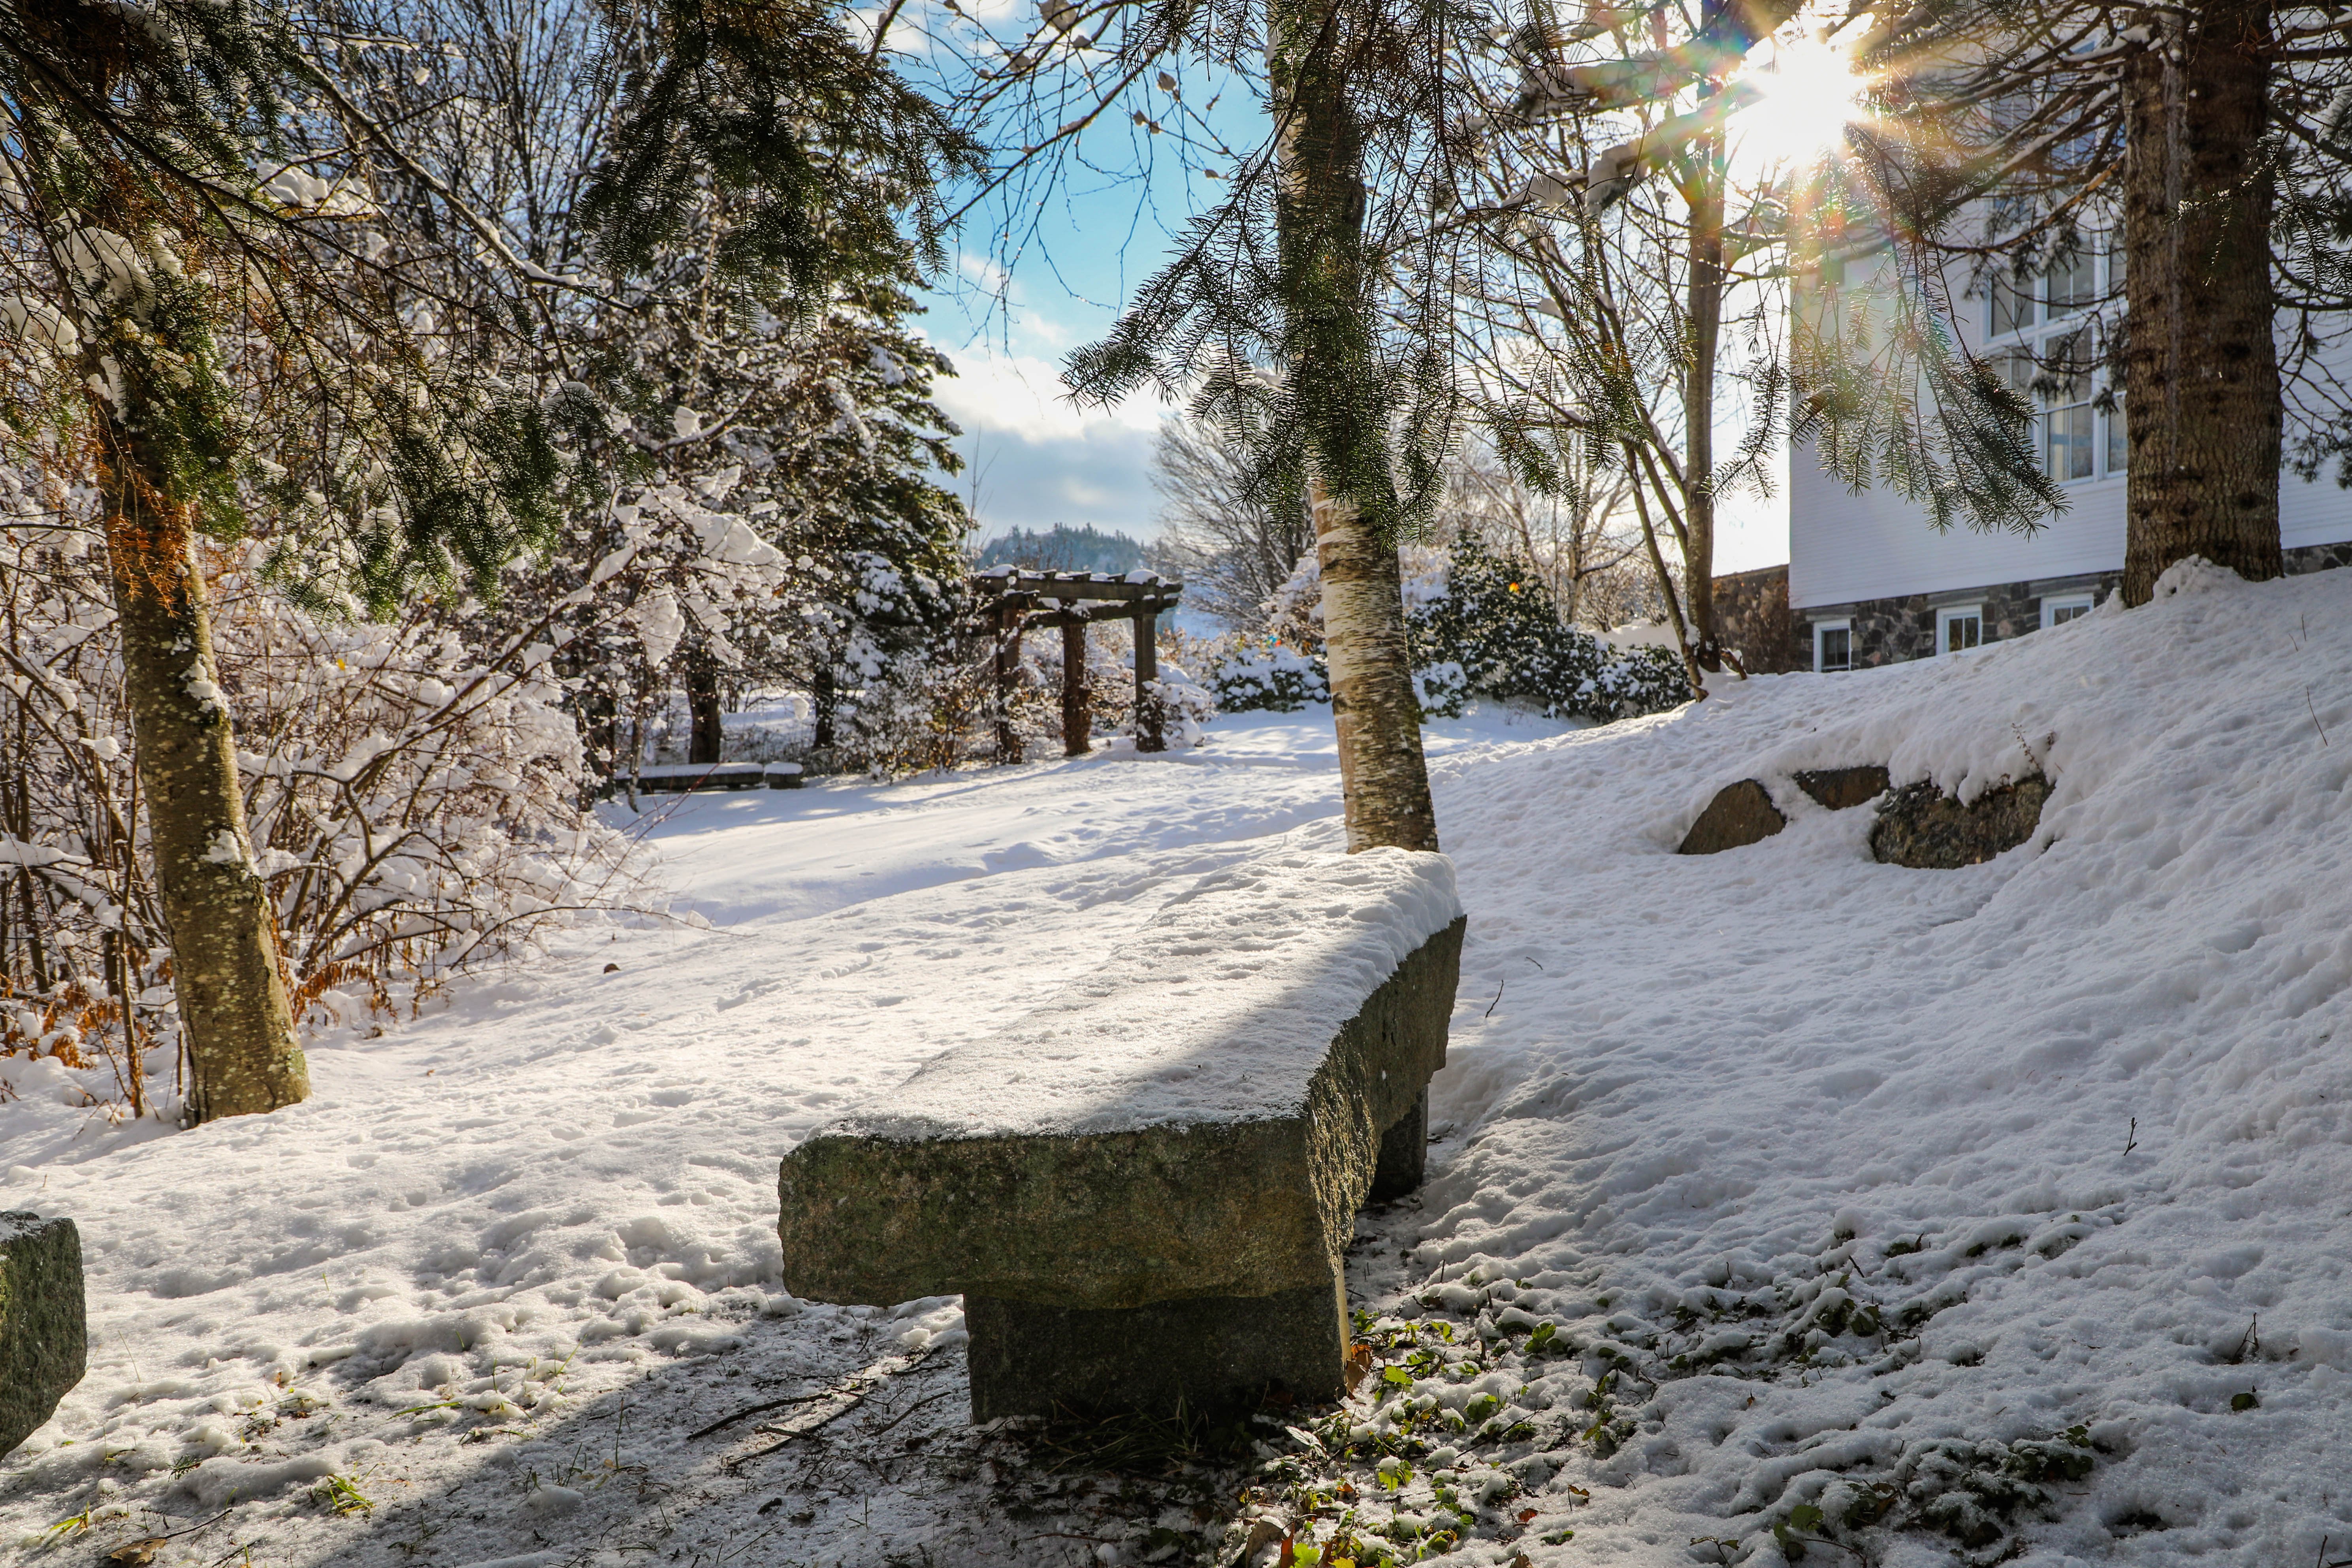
x,y
1143,1189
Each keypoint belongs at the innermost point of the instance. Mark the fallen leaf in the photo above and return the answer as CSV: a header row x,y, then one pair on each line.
x,y
1526,1514
138,1553
1359,1364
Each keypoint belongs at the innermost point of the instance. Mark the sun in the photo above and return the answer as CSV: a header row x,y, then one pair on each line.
x,y
1808,94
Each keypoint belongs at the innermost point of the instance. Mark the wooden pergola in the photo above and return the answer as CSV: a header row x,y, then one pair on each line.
x,y
1014,602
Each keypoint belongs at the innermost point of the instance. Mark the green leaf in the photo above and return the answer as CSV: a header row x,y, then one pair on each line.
x,y
1805,1516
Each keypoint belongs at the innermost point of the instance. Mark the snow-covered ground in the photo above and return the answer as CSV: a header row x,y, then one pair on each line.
x,y
2002,1211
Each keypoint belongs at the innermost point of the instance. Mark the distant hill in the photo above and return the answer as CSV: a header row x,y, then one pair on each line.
x,y
1064,549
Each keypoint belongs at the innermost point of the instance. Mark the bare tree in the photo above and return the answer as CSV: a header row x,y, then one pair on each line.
x,y
1578,534
1235,546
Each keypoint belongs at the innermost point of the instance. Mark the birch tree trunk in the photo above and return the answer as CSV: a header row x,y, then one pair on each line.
x,y
2201,398
234,1011
1383,779
1320,219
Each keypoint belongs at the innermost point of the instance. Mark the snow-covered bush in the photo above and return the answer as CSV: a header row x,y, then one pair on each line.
x,y
1497,620
1478,624
1274,678
411,796
1183,705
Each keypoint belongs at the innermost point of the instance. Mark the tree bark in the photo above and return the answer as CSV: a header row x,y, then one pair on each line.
x,y
2201,398
1383,779
1319,221
234,1011
1705,315
706,736
823,695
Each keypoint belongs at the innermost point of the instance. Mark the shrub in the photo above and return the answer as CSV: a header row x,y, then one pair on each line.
x,y
1479,624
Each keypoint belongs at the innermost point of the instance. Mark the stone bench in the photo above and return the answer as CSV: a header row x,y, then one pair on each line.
x,y
678,778
1144,1188
44,1330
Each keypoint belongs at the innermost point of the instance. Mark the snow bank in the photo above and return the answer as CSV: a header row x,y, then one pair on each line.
x,y
1839,1172
1835,1181
1223,1011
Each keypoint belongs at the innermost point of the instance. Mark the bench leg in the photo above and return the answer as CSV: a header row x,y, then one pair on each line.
x,y
1404,1153
1207,1354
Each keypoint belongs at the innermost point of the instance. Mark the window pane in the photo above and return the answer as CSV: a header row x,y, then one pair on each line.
x,y
1837,648
2061,614
2118,442
2069,284
2011,307
2069,431
2018,370
2070,361
1962,632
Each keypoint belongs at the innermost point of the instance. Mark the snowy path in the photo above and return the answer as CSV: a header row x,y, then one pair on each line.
x,y
1817,1168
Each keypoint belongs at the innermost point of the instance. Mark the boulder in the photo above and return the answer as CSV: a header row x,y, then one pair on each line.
x,y
1739,813
1842,789
1922,826
44,1335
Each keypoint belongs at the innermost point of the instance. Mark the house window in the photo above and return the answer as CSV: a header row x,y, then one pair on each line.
x,y
1959,628
2050,357
2060,609
1833,644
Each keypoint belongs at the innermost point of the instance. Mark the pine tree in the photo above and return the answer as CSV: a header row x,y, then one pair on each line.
x,y
311,337
2202,145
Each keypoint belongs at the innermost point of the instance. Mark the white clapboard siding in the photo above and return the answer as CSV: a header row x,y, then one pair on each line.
x,y
1845,547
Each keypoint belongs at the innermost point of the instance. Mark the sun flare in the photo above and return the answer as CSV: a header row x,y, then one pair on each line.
x,y
1808,95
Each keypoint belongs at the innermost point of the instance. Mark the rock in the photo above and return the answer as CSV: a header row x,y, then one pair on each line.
x,y
44,1336
1841,789
1920,825
1739,813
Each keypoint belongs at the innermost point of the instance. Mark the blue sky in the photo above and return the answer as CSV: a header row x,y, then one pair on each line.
x,y
1034,459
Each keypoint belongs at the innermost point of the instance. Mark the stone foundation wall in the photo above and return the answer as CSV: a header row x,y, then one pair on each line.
x,y
1889,631
2305,558
1751,608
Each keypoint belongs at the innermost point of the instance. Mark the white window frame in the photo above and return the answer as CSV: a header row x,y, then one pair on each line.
x,y
2039,336
2054,603
1945,615
1841,625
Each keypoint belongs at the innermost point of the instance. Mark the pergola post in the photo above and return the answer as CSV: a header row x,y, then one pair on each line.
x,y
1148,735
1077,722
1008,675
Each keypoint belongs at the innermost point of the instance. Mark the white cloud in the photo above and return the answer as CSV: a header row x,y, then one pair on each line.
x,y
1022,396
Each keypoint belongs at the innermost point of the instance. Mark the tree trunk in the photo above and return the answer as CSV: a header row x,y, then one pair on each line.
x,y
2202,400
823,695
1706,311
1327,339
1384,781
706,736
234,1013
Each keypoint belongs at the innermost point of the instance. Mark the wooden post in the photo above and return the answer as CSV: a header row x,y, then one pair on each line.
x,y
1147,736
1078,723
1008,673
